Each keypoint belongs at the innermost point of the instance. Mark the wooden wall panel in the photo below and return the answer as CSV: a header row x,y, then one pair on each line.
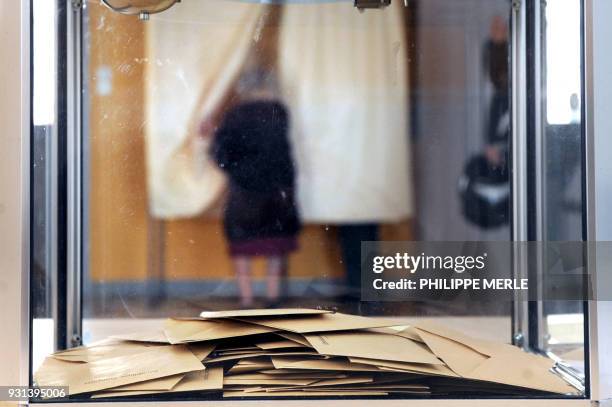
x,y
118,214
196,249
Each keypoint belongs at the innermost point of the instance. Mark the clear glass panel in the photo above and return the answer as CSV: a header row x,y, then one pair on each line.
x,y
236,154
460,128
368,158
563,177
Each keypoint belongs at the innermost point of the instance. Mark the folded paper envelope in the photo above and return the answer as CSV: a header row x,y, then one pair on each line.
x,y
299,393
341,381
262,312
250,367
280,344
183,331
489,361
320,322
220,353
244,349
229,380
387,389
160,384
479,345
406,332
209,379
201,349
259,375
259,354
420,368
153,337
360,386
330,384
372,345
336,364
117,371
528,371
295,337
458,357
304,375
110,349
262,361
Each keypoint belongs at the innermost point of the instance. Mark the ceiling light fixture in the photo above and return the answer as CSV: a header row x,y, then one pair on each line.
x,y
142,8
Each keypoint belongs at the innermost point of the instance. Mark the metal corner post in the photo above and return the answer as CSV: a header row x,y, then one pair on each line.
x,y
519,163
597,107
536,229
74,176
15,99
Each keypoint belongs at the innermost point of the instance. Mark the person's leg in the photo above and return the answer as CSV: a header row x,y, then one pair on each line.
x,y
242,266
276,266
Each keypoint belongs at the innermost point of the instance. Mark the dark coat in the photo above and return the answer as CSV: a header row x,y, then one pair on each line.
x,y
251,146
496,63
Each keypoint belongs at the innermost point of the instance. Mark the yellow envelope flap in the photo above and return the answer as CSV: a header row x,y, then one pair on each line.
x,y
457,356
372,345
246,313
104,374
183,331
321,322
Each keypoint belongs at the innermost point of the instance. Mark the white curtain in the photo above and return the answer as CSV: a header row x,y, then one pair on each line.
x,y
345,78
195,50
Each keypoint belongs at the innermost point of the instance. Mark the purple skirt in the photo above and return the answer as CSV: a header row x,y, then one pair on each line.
x,y
271,246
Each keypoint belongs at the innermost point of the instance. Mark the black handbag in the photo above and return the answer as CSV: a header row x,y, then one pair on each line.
x,y
484,191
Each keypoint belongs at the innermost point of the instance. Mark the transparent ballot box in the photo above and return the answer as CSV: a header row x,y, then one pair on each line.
x,y
292,199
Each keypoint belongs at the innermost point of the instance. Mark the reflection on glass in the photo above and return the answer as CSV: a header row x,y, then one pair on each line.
x,y
44,126
563,323
195,178
140,7
238,153
252,148
562,62
202,197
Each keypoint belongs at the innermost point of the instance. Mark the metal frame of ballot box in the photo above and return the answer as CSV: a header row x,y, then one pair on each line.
x,y
15,198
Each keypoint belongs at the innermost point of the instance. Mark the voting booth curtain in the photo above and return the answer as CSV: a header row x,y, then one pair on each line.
x,y
343,76
184,85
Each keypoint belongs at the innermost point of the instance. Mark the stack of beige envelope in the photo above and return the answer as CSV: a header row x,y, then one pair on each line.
x,y
297,352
